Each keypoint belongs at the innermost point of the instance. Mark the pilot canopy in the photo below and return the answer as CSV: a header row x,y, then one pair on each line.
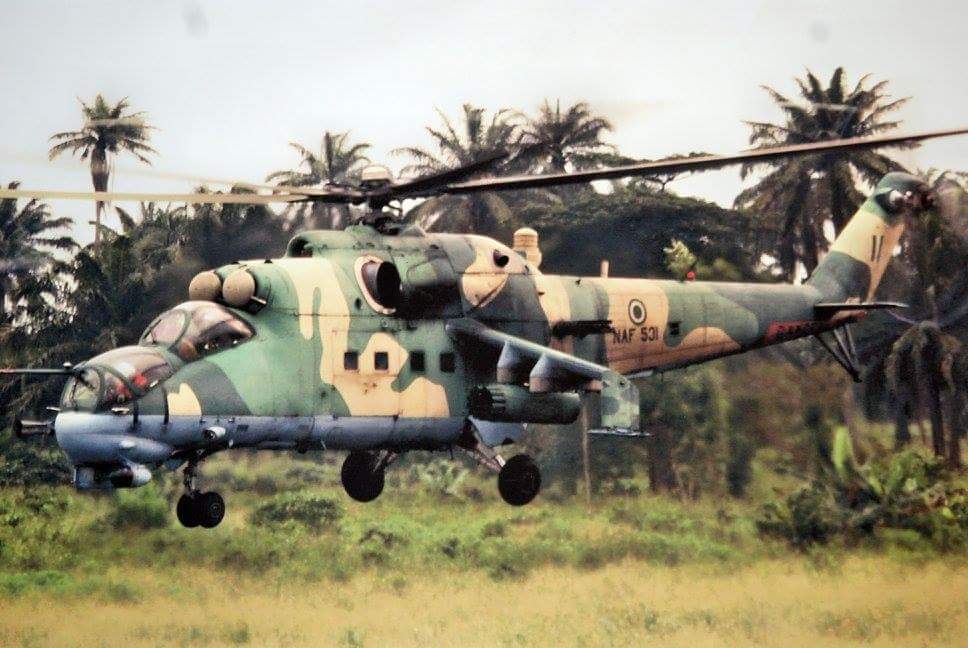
x,y
195,329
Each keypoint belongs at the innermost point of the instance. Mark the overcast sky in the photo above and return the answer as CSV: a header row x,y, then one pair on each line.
x,y
229,83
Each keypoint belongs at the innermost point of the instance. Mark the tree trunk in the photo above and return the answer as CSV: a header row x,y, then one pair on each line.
x,y
937,420
586,457
957,424
902,421
99,177
662,476
849,404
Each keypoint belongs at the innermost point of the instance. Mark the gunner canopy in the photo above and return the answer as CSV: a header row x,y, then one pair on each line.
x,y
114,378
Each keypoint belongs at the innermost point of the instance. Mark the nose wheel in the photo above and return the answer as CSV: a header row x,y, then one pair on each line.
x,y
198,509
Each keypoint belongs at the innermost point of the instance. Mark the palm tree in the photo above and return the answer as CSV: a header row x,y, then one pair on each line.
x,y
556,141
805,192
475,138
158,233
26,244
918,354
108,130
337,161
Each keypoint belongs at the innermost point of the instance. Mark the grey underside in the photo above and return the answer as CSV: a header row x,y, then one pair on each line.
x,y
108,438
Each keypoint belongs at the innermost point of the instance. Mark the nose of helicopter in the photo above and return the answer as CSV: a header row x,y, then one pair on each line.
x,y
105,438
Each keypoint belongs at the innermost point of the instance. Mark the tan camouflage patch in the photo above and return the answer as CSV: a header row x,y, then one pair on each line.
x,y
553,298
633,340
870,240
369,392
423,398
483,279
184,402
308,275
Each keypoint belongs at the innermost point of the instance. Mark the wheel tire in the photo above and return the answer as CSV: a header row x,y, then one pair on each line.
x,y
210,509
519,480
186,511
361,478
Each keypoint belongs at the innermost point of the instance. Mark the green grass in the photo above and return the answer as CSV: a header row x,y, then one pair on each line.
x,y
315,532
444,555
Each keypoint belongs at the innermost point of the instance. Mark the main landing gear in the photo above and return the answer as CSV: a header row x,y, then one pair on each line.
x,y
364,474
196,508
518,478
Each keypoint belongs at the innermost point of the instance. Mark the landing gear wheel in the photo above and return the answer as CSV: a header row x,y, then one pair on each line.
x,y
519,480
186,510
362,476
210,509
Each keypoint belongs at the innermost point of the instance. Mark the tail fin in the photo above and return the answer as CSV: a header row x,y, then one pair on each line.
x,y
856,261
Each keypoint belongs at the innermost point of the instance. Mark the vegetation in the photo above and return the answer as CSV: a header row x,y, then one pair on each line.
x,y
337,161
686,571
801,194
107,131
474,139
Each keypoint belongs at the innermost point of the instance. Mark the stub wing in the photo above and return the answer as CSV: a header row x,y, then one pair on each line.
x,y
611,402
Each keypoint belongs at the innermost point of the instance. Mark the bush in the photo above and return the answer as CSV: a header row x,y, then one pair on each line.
x,y
28,464
144,507
317,512
376,543
807,517
36,531
902,491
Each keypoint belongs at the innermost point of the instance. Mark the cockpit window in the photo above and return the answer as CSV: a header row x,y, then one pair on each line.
x,y
115,378
166,329
82,391
115,392
196,329
142,367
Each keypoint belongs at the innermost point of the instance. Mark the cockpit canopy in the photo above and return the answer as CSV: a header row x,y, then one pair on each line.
x,y
189,331
196,329
114,378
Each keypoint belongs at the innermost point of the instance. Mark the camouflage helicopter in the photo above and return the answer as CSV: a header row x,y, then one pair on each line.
x,y
383,338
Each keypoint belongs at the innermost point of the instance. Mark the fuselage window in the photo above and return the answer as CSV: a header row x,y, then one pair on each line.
x,y
381,361
418,361
447,362
351,361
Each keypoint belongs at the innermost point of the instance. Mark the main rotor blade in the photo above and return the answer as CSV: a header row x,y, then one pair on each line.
x,y
192,198
417,186
690,164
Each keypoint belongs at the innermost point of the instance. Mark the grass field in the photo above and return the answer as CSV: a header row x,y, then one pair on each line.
x,y
772,602
439,561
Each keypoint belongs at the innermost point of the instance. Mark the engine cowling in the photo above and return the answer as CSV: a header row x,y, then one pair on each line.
x,y
514,403
416,289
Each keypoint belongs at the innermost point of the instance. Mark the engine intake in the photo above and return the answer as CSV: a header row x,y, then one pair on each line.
x,y
418,289
514,403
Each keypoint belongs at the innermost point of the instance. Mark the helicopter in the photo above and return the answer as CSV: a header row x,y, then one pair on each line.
x,y
382,338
